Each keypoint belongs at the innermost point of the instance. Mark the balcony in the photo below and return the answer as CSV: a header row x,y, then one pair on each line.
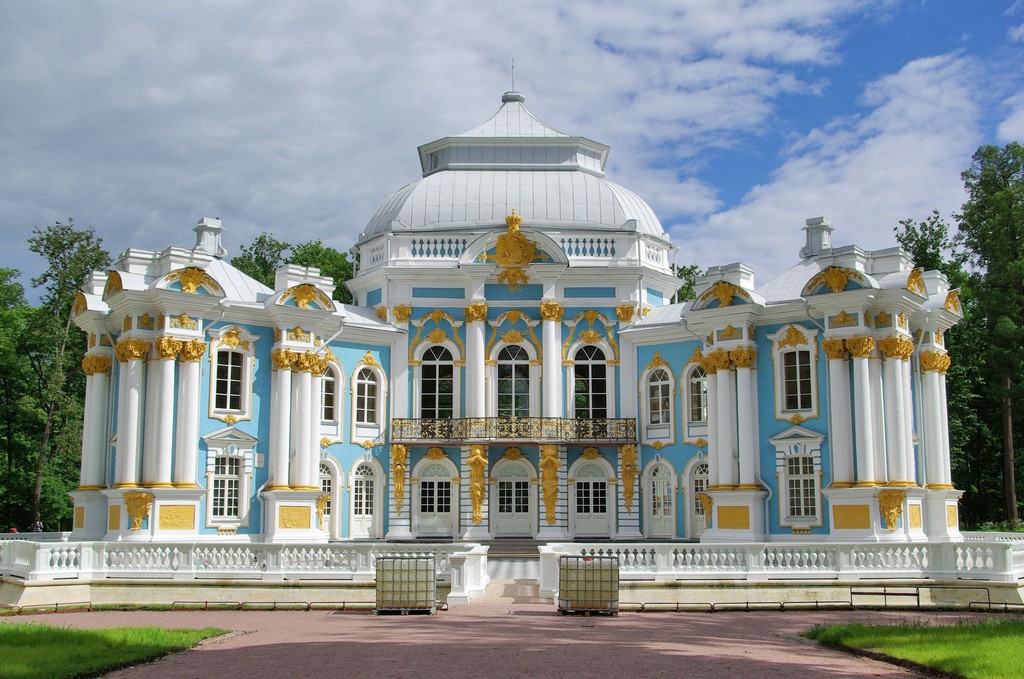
x,y
513,429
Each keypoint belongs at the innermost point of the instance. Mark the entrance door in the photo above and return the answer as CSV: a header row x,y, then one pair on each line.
x,y
592,517
435,515
363,501
513,518
698,484
659,493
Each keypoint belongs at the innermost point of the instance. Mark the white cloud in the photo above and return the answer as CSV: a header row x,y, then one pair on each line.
x,y
1012,127
901,159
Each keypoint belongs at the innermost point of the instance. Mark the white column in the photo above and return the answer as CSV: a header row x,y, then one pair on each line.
x,y
839,413
893,391
315,413
906,380
167,348
476,322
280,418
933,437
131,353
301,402
94,425
187,438
746,385
151,419
943,426
551,338
726,420
712,396
860,348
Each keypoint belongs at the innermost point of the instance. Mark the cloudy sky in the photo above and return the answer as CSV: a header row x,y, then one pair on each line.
x,y
735,119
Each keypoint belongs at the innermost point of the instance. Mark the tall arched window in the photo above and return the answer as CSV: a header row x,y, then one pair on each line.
x,y
513,382
659,398
590,390
329,396
437,384
366,396
697,403
326,486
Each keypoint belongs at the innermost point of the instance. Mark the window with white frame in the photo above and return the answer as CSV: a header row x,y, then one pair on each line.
x,y
513,382
437,384
231,357
590,385
229,468
697,396
366,396
798,468
326,486
659,398
795,352
329,396
369,402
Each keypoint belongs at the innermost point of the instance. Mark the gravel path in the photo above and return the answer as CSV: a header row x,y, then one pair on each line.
x,y
507,634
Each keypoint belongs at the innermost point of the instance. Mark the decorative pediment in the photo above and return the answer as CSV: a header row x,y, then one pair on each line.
x,y
191,281
835,279
306,296
228,436
722,294
797,440
114,284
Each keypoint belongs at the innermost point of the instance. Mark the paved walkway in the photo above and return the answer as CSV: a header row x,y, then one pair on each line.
x,y
508,633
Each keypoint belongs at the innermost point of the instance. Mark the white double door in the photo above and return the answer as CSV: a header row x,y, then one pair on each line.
x,y
593,518
436,506
513,502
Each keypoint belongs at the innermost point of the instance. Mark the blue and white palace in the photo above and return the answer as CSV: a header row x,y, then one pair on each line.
x,y
516,366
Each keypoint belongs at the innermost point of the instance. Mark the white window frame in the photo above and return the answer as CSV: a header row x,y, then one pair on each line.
x,y
791,339
646,480
664,432
534,373
798,442
696,520
454,498
332,523
609,398
417,383
332,428
379,500
224,341
612,497
371,430
231,443
610,377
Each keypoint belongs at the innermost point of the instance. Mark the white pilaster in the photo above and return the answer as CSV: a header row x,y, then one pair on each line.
x,y
301,445
187,438
893,422
280,419
746,416
861,348
315,412
151,418
726,435
551,338
476,316
839,415
131,354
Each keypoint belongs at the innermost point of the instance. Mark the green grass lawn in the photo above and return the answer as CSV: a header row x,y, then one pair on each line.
x,y
988,650
31,651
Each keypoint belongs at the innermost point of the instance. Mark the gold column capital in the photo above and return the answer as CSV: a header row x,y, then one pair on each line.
x,y
835,349
935,361
625,312
476,312
168,347
96,364
131,350
402,313
551,310
192,351
743,357
860,346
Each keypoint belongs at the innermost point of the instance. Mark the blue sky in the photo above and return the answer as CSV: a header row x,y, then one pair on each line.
x,y
735,119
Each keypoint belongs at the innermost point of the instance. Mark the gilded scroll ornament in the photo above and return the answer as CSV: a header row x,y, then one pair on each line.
x,y
184,322
834,278
860,346
369,360
627,461
232,338
706,504
935,361
656,362
625,312
953,301
477,465
696,357
399,461
382,313
551,310
590,336
402,313
915,283
476,312
146,322
305,294
513,278
513,248
512,454
191,278
94,364
131,350
792,338
512,337
321,507
842,320
138,504
890,506
192,350
297,334
743,357
835,349
723,291
730,333
550,464
591,453
436,453
437,336
168,347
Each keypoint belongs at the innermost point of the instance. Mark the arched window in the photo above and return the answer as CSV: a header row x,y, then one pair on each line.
x,y
326,486
232,352
659,398
513,382
437,384
329,396
697,396
367,389
796,379
590,390
228,384
795,350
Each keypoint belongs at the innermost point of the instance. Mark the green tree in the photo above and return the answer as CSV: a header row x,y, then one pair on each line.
x,y
992,233
54,349
266,254
688,274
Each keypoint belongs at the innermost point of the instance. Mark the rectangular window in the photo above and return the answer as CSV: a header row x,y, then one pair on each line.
x,y
435,497
226,486
796,377
228,387
802,487
659,403
328,397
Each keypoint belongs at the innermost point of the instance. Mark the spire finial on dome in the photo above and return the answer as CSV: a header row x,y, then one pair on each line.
x,y
512,96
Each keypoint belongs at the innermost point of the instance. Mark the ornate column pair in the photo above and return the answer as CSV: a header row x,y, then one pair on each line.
x,y
722,427
157,453
97,394
476,320
839,412
864,423
746,387
131,354
187,437
304,377
898,405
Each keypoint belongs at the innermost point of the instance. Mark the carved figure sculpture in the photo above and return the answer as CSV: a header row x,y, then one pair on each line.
x,y
477,464
549,464
627,458
399,460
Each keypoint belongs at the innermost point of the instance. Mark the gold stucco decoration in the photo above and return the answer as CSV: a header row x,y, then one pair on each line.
x,y
513,454
723,291
591,453
138,504
293,517
890,506
719,360
168,347
192,350
402,313
513,248
232,338
835,349
792,338
915,283
126,325
883,320
890,347
477,465
305,294
627,461
177,517
382,313
834,278
476,312
842,320
131,350
297,334
113,284
184,322
512,337
321,507
80,304
701,443
550,464
146,322
369,360
730,333
191,279
625,313
513,278
798,419
399,462
437,336
551,310
935,361
706,504
283,359
656,362
743,357
953,301
436,453
658,445
590,336
860,346
95,364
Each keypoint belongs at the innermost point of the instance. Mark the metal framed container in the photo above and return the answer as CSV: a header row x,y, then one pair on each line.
x,y
406,584
588,584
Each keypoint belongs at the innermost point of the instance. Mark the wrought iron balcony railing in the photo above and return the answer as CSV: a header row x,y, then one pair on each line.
x,y
541,429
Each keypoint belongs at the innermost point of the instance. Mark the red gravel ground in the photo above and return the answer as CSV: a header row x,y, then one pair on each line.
x,y
502,637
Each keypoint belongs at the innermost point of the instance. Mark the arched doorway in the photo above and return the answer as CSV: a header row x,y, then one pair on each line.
x,y
660,497
513,500
592,512
434,504
698,484
362,518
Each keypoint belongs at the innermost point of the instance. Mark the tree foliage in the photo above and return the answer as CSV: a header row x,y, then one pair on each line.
x,y
266,254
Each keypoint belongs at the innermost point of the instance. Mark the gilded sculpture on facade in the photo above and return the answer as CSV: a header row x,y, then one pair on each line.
x,y
138,504
399,461
549,464
890,506
627,460
477,464
321,507
706,504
